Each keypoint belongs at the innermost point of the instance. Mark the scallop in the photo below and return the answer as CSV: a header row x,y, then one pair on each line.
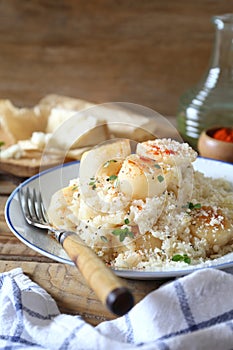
x,y
211,224
140,179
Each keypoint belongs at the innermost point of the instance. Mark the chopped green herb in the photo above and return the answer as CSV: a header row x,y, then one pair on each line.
x,y
157,166
130,234
122,233
160,178
92,183
112,178
184,258
187,259
192,206
75,187
126,221
2,143
104,239
106,164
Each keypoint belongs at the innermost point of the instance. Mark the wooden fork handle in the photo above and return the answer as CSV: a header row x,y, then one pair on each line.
x,y
106,285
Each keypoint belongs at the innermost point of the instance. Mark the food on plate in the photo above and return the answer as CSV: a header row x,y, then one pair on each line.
x,y
146,210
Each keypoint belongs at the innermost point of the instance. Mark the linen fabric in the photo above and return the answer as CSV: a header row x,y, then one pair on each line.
x,y
192,312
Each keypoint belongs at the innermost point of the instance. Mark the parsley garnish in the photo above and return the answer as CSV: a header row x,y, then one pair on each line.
x,y
122,233
157,166
185,258
160,178
112,178
2,143
126,221
92,183
192,206
106,164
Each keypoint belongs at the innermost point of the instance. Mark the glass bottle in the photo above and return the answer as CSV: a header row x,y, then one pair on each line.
x,y
210,102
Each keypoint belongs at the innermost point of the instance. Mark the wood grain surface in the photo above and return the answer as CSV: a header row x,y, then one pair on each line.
x,y
26,167
145,52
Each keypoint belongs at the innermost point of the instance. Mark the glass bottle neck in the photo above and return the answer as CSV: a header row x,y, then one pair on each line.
x,y
221,63
223,49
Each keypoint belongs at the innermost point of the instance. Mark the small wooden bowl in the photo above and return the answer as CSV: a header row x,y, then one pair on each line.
x,y
210,147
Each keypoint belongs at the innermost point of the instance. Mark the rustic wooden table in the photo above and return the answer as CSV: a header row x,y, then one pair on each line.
x,y
62,281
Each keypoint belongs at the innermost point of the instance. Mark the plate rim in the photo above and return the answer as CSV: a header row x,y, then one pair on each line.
x,y
131,274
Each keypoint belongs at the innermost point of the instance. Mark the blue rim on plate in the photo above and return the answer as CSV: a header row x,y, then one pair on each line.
x,y
57,177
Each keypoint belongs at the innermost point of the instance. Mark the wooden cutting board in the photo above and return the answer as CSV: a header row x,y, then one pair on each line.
x,y
26,167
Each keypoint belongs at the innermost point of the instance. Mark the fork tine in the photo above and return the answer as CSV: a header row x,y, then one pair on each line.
x,y
36,205
32,203
24,203
45,215
41,208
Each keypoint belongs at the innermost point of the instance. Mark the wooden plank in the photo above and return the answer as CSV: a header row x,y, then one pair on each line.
x,y
6,187
12,248
67,287
25,167
3,200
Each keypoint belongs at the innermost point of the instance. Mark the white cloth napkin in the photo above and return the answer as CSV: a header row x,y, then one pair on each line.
x,y
193,312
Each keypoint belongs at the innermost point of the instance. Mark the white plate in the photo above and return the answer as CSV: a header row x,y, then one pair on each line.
x,y
53,179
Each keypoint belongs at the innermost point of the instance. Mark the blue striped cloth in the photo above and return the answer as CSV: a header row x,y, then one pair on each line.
x,y
193,312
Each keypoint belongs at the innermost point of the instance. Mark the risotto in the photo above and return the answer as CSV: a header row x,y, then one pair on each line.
x,y
146,210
